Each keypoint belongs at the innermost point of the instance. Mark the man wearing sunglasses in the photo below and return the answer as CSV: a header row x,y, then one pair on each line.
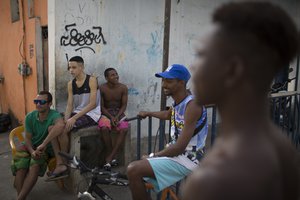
x,y
41,128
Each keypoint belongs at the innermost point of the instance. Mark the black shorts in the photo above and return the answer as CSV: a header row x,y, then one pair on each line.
x,y
83,121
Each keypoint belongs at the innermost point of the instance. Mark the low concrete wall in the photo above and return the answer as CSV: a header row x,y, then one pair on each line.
x,y
87,145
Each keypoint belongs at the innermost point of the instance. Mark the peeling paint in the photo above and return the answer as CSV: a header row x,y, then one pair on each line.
x,y
155,49
121,57
133,91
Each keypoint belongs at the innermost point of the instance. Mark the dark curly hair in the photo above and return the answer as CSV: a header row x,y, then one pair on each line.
x,y
268,24
106,72
49,95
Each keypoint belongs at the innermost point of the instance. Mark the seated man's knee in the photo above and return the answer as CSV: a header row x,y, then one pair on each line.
x,y
104,129
49,128
64,136
133,169
123,131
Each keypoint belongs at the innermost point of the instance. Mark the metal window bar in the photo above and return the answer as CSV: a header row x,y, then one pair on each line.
x,y
285,111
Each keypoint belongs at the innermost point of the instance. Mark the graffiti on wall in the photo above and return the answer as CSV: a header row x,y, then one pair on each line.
x,y
83,41
155,49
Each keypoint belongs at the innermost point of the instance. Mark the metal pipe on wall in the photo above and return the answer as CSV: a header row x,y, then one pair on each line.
x,y
165,62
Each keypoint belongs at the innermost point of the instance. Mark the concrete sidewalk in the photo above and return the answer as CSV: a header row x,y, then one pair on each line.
x,y
42,190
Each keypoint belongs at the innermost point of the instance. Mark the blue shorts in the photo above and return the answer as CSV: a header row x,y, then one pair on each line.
x,y
167,172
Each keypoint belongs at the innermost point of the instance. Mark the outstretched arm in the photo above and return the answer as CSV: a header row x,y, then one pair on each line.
x,y
55,131
124,100
164,115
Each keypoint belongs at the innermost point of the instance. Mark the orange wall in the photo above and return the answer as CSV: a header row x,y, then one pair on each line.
x,y
40,9
17,92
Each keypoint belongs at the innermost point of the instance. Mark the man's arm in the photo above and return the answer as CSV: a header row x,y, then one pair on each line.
x,y
164,115
69,107
91,105
203,184
28,143
192,114
124,100
35,154
103,108
55,131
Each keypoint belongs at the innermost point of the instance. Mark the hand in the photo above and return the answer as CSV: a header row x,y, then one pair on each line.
x,y
36,155
114,121
143,114
41,148
145,157
70,123
151,155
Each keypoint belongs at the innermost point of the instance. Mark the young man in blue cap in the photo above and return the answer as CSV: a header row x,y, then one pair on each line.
x,y
188,135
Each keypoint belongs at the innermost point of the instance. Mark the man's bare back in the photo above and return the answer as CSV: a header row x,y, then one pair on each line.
x,y
258,167
234,67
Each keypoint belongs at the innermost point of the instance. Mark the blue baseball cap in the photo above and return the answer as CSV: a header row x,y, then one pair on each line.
x,y
175,71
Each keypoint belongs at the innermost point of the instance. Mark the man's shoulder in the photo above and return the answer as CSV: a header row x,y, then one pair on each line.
x,y
119,87
54,113
123,86
92,78
31,114
103,87
192,108
70,83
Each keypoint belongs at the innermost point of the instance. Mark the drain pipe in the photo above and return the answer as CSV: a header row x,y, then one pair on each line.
x,y
165,63
297,73
23,42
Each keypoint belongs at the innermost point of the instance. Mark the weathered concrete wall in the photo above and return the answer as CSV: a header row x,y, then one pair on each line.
x,y
130,40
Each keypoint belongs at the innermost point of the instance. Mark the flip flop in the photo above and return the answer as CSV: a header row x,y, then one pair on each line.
x,y
107,166
55,176
114,162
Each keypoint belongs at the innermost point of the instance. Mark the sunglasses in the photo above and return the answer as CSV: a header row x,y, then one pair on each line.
x,y
38,101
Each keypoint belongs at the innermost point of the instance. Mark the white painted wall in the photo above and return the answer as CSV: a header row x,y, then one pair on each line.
x,y
133,31
189,20
192,18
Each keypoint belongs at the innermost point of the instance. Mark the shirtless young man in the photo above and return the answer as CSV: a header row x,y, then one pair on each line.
x,y
114,97
251,159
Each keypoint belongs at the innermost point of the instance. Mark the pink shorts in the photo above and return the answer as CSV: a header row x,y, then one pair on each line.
x,y
105,122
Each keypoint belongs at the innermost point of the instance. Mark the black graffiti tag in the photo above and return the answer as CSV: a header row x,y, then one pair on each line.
x,y
74,38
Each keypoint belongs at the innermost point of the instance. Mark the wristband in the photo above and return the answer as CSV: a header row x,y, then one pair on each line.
x,y
151,155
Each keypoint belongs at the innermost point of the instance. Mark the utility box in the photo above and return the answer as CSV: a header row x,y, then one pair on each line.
x,y
24,69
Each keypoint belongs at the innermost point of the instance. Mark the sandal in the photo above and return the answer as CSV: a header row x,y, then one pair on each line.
x,y
55,176
114,162
107,166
